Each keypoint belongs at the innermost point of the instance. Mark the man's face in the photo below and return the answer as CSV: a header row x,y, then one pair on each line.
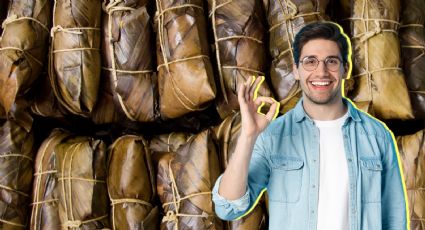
x,y
320,86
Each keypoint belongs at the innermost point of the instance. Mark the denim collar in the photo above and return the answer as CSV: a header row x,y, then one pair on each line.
x,y
300,114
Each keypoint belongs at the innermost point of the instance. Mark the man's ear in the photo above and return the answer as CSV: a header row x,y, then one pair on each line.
x,y
346,68
295,71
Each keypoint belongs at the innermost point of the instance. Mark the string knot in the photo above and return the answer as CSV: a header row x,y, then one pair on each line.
x,y
73,223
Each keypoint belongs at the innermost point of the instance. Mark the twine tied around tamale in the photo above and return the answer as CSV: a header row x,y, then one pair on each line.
x,y
69,217
173,215
364,38
212,15
110,8
159,16
420,47
15,18
114,202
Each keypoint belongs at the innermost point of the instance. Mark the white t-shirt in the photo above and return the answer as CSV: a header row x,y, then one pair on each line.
x,y
333,187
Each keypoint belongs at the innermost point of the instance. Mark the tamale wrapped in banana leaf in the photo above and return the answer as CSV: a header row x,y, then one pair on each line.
x,y
45,203
412,154
127,51
184,183
185,76
169,142
376,67
239,34
412,40
23,48
83,195
45,103
226,135
75,54
131,185
16,169
286,18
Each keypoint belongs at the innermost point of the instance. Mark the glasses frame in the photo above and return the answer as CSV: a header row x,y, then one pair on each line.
x,y
323,60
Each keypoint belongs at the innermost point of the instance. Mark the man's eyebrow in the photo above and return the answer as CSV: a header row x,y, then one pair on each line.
x,y
333,56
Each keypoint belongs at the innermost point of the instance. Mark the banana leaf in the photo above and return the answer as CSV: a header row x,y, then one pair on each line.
x,y
376,67
285,19
45,204
75,54
23,48
226,135
412,154
83,195
131,185
127,54
16,169
184,183
185,76
169,142
239,35
45,103
412,40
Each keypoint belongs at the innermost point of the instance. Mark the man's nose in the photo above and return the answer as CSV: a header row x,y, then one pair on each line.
x,y
322,69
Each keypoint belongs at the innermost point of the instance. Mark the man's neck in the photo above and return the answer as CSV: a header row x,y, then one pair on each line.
x,y
325,112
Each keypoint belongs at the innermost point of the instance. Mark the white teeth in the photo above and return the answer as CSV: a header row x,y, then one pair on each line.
x,y
321,83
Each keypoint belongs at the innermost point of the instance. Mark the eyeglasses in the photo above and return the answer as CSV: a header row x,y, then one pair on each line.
x,y
310,63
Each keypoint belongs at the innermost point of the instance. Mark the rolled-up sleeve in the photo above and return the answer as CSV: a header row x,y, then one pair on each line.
x,y
258,176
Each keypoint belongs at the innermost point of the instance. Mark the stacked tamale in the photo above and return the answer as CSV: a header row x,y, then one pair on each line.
x,y
184,183
74,56
412,156
239,33
412,39
129,85
131,185
16,169
185,76
70,183
379,81
23,48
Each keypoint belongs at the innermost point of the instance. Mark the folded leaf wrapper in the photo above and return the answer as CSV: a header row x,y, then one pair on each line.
x,y
376,67
184,184
226,135
169,142
131,185
83,195
75,54
286,18
185,76
16,160
239,33
23,48
45,203
128,55
412,154
412,40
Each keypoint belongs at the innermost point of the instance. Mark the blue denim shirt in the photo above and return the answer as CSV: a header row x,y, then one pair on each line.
x,y
285,161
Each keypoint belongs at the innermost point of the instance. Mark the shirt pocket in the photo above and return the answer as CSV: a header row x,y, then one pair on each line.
x,y
371,173
286,180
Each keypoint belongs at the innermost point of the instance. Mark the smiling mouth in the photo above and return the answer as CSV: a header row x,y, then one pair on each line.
x,y
320,83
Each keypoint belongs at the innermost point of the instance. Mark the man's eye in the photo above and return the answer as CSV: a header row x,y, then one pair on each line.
x,y
310,61
333,61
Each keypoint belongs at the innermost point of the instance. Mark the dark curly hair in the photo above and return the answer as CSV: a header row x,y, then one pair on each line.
x,y
324,30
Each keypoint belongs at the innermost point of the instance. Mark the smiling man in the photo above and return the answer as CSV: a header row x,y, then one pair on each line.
x,y
325,164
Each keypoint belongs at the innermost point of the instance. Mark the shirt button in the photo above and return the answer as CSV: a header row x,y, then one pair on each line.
x,y
314,186
350,160
312,211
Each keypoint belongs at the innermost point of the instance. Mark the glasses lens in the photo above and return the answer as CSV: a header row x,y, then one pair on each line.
x,y
310,63
332,63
